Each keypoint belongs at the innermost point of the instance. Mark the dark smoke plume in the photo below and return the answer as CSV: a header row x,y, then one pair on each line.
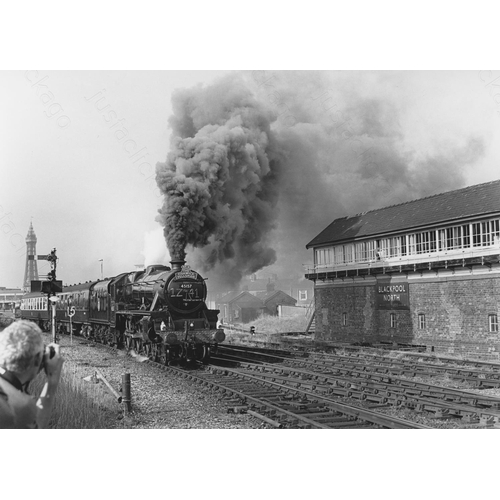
x,y
346,152
261,162
221,178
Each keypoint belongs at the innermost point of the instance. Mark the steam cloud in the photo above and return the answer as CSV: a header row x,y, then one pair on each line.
x,y
261,162
221,178
154,251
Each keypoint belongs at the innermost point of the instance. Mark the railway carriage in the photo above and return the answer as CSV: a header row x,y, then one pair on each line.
x,y
34,308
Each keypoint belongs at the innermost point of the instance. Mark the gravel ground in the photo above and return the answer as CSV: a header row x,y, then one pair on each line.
x,y
160,400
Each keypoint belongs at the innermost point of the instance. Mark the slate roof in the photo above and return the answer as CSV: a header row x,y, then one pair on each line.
x,y
228,297
478,200
266,296
239,297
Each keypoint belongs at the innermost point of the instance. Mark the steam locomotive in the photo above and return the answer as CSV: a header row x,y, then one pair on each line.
x,y
159,312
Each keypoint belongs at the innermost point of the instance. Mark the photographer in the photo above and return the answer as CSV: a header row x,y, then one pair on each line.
x,y
22,357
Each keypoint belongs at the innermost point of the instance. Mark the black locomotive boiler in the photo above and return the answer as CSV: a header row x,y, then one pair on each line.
x,y
159,312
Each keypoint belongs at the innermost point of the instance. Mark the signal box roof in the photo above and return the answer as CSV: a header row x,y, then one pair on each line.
x,y
474,201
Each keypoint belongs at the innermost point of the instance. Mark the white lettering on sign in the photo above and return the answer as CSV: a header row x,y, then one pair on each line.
x,y
392,289
185,275
391,298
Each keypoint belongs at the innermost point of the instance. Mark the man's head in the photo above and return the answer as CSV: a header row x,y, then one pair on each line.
x,y
21,348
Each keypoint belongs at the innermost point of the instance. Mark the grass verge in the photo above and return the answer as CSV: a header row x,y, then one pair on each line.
x,y
79,404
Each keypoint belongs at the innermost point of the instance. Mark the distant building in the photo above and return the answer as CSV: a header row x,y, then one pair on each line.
x,y
301,290
9,298
287,292
273,299
239,307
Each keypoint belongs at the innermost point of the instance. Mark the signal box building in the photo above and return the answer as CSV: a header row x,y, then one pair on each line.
x,y
424,272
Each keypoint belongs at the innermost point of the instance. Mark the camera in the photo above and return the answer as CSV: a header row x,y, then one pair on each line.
x,y
52,353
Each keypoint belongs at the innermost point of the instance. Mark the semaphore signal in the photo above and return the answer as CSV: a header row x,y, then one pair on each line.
x,y
51,287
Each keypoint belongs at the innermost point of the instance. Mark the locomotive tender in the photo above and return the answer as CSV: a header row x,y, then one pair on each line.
x,y
159,312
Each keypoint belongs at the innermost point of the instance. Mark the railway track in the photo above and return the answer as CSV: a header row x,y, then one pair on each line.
x,y
282,405
482,375
372,387
488,377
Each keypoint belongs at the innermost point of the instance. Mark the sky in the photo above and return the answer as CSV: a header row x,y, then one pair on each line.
x,y
66,171
80,148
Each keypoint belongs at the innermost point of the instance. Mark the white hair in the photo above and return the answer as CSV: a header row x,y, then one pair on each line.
x,y
20,342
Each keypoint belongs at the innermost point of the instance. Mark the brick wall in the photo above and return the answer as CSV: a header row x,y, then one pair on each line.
x,y
456,315
402,332
357,302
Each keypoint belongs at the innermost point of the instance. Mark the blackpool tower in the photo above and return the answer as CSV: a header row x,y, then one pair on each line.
x,y
31,271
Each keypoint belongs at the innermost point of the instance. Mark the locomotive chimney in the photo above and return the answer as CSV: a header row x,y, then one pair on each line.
x,y
177,264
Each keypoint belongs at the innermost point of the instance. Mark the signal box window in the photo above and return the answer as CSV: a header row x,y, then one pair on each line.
x,y
493,321
421,321
393,320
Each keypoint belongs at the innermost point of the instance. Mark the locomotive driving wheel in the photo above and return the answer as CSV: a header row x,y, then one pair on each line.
x,y
109,336
138,346
84,331
128,342
101,336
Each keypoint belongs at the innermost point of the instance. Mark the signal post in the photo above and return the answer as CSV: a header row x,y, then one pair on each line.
x,y
51,287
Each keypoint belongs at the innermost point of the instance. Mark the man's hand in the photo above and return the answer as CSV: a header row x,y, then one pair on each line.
x,y
52,365
52,362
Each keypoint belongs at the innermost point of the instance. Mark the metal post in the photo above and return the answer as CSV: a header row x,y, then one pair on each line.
x,y
126,391
70,311
49,312
54,322
54,301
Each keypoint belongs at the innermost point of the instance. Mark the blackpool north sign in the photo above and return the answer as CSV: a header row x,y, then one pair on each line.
x,y
392,295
